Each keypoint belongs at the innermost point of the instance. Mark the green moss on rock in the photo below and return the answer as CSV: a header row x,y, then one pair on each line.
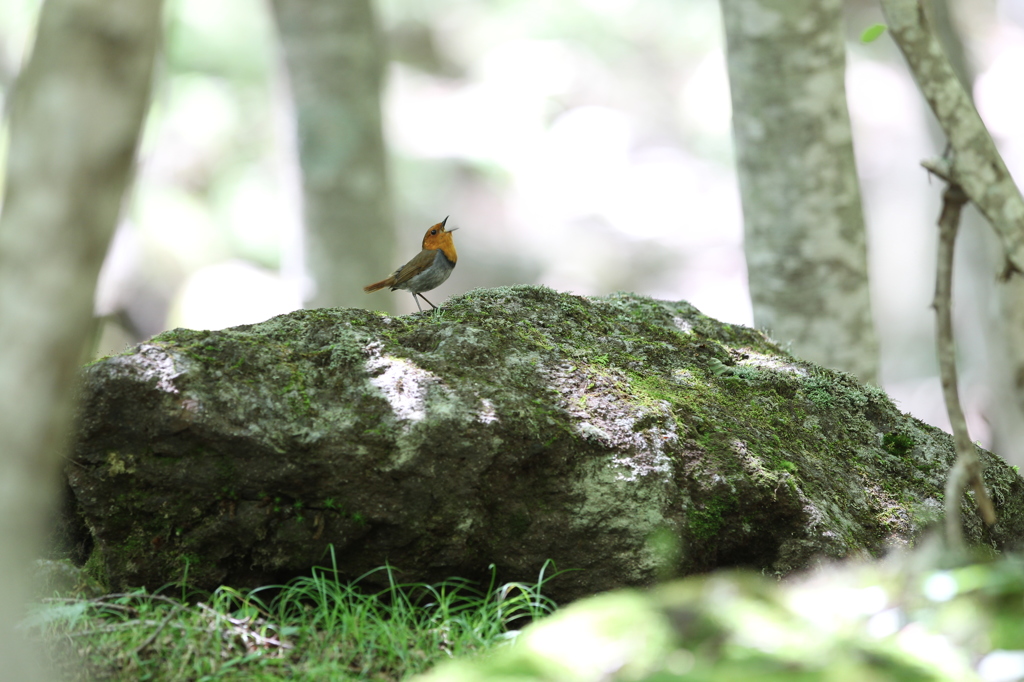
x,y
512,426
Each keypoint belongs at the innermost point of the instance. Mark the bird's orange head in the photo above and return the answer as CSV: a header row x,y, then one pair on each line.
x,y
439,238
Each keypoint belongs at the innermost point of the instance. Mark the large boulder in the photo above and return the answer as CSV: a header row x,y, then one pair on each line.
x,y
629,438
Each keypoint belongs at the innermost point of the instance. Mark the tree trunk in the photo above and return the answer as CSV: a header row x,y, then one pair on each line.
x,y
334,53
75,121
804,225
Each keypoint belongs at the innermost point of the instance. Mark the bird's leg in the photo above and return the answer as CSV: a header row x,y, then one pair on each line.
x,y
425,299
418,306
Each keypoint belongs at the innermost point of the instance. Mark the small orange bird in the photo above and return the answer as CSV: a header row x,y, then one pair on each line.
x,y
428,270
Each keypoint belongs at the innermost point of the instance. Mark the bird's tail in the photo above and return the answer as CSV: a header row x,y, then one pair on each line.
x,y
369,288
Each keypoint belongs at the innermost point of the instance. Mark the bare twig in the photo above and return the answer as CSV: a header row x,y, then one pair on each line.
x,y
246,630
160,628
116,627
967,469
106,599
975,171
975,164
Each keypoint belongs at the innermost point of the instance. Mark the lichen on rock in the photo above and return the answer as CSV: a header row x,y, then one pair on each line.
x,y
509,427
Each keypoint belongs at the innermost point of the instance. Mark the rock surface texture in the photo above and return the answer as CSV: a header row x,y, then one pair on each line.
x,y
629,438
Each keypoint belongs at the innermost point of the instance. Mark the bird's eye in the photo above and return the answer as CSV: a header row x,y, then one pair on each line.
x,y
433,232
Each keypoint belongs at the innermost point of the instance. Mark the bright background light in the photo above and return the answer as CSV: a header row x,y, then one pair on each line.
x,y
585,146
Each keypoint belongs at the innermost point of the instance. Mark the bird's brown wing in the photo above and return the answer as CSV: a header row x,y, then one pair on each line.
x,y
418,264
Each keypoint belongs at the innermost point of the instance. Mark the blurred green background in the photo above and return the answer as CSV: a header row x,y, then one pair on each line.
x,y
584,145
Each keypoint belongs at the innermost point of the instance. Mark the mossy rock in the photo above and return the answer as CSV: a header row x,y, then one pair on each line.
x,y
628,438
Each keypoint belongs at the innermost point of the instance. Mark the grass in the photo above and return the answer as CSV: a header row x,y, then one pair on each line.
x,y
313,628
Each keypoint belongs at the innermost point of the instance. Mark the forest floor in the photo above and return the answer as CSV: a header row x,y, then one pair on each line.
x,y
313,628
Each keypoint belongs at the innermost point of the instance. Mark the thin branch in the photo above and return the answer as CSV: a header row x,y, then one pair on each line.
x,y
246,630
967,469
975,163
160,628
116,627
975,172
107,599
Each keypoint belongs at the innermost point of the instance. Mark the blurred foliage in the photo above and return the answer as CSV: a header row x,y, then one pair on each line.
x,y
219,182
898,620
582,145
211,186
872,33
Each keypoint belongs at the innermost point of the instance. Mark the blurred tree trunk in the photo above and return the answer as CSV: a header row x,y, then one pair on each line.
x,y
335,57
1006,371
803,220
75,119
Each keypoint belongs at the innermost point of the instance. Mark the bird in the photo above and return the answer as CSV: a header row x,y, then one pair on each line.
x,y
428,269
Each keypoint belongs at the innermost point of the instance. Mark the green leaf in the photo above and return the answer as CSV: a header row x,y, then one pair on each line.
x,y
872,32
